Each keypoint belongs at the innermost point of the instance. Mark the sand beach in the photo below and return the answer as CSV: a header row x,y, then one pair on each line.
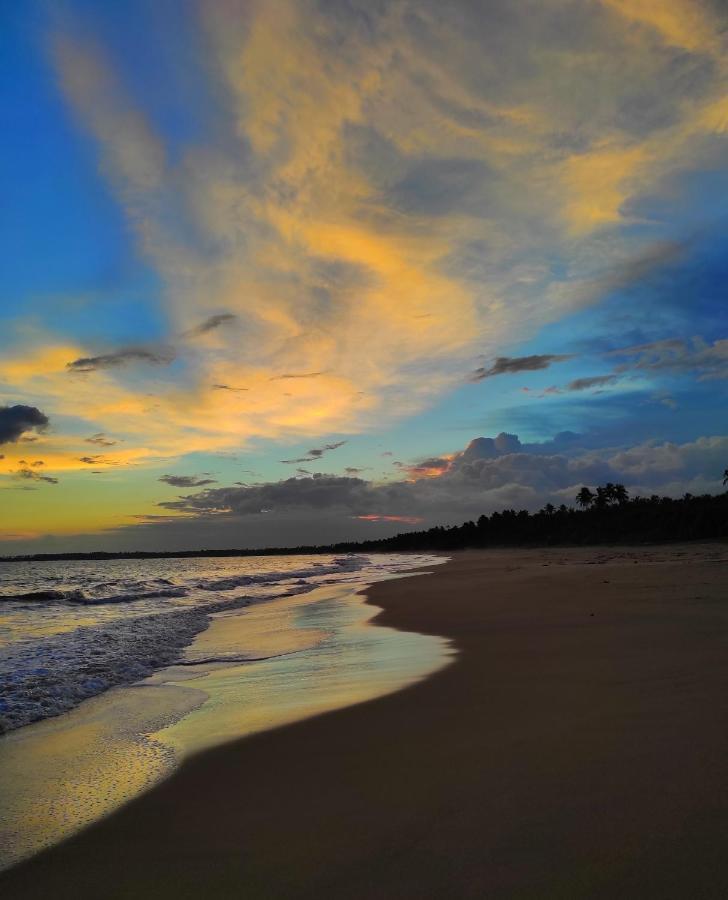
x,y
576,746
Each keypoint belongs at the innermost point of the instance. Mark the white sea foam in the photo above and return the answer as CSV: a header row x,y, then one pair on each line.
x,y
49,676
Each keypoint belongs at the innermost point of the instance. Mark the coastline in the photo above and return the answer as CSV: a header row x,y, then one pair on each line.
x,y
575,747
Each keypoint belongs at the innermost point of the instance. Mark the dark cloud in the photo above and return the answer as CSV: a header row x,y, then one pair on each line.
x,y
210,324
226,387
578,384
14,420
583,384
186,481
99,460
319,492
507,365
32,475
314,454
707,361
287,375
159,356
101,439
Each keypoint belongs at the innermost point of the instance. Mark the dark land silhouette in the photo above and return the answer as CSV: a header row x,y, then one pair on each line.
x,y
606,515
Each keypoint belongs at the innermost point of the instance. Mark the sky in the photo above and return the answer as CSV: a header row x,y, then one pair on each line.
x,y
300,271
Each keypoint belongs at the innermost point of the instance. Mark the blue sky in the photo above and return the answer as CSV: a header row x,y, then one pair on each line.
x,y
240,234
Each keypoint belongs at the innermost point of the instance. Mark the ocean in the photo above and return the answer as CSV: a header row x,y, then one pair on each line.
x,y
113,672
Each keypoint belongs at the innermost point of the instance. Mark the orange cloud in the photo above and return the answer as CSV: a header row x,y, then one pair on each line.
x,y
408,520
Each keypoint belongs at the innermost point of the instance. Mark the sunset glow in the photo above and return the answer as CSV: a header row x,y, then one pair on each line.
x,y
241,233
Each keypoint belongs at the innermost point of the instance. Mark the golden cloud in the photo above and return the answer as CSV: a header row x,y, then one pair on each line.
x,y
389,175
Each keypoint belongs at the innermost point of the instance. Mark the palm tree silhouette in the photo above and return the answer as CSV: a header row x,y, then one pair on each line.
x,y
725,476
585,497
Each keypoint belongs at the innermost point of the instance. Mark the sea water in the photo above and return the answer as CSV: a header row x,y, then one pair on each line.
x,y
112,672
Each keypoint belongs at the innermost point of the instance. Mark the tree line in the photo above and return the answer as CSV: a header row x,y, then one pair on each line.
x,y
606,515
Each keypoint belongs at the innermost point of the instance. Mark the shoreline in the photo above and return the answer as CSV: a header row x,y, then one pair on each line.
x,y
574,747
355,548
255,666
46,630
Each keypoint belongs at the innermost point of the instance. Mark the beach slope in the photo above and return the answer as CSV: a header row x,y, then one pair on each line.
x,y
576,747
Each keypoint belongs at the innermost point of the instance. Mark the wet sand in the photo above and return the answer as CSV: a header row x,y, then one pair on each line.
x,y
577,747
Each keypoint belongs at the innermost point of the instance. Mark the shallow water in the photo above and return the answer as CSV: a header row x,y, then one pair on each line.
x,y
70,630
252,669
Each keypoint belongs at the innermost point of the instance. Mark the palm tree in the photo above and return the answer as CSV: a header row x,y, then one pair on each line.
x,y
585,497
620,494
725,476
549,509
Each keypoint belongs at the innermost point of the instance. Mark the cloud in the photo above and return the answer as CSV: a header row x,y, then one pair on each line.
x,y
101,439
507,365
578,384
210,324
315,453
404,520
390,189
706,361
226,387
416,186
489,474
186,481
33,475
288,375
583,384
161,356
319,492
15,420
431,467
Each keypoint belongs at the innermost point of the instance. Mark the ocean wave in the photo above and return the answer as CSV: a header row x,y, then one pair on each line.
x,y
43,597
80,598
44,678
339,565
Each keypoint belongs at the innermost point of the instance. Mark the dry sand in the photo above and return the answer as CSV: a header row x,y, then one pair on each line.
x,y
577,747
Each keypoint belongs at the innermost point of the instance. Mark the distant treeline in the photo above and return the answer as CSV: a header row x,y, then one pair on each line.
x,y
606,516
